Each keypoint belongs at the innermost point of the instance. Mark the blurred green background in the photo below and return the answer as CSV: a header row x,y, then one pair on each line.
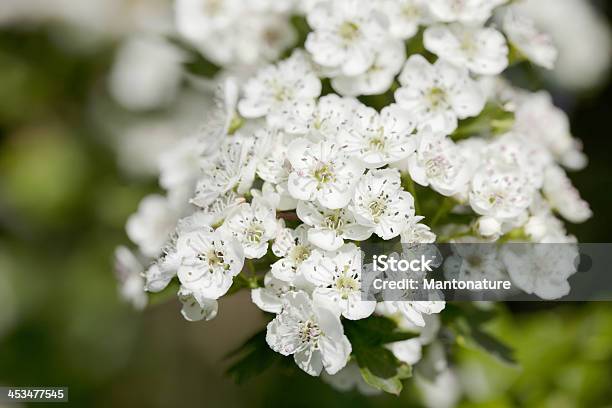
x,y
63,204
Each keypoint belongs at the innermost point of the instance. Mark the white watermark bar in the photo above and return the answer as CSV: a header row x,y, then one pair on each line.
x,y
20,395
487,271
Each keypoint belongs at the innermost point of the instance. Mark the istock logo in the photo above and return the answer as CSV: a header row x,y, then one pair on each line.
x,y
382,263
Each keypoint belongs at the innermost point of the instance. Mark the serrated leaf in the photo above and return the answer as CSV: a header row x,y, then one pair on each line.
x,y
378,365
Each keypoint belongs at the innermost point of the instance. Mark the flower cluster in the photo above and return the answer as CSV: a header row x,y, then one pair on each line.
x,y
392,118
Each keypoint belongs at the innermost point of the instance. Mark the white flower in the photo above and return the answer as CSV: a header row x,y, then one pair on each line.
x,y
541,269
151,226
214,213
388,62
488,227
196,308
438,163
416,233
405,16
160,273
209,262
197,18
381,204
465,11
501,195
482,50
147,73
322,172
270,297
330,227
233,168
379,139
337,277
564,197
414,310
346,35
321,120
542,122
294,249
129,274
438,95
527,39
276,88
311,333
253,225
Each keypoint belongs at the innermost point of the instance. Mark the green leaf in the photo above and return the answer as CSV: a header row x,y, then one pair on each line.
x,y
378,366
466,323
493,120
252,358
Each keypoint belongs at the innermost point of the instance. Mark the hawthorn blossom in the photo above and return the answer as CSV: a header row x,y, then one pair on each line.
x,y
564,197
129,272
345,36
152,224
294,249
415,311
252,225
320,120
528,40
323,172
379,77
209,261
330,227
405,16
311,333
269,298
469,12
482,50
337,279
438,163
416,233
381,204
501,195
379,139
438,95
196,308
277,88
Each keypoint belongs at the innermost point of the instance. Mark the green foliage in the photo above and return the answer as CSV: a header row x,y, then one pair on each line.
x,y
378,366
252,358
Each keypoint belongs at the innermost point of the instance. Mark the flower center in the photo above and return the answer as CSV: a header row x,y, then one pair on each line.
x,y
324,174
254,233
377,208
435,167
349,30
410,12
436,97
300,253
377,143
346,285
334,222
309,332
212,7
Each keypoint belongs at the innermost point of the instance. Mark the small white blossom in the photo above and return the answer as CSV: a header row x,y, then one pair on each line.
x,y
388,62
438,163
252,225
381,204
270,297
323,119
405,16
482,50
416,233
337,277
564,197
438,95
414,311
323,172
209,262
538,47
129,272
311,333
469,12
330,227
501,195
345,36
277,88
196,308
294,249
151,226
379,139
